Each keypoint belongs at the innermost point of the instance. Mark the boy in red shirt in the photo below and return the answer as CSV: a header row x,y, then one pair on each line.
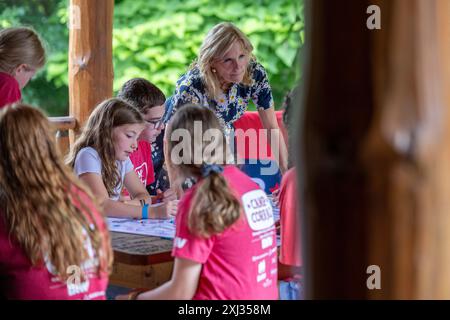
x,y
21,55
149,100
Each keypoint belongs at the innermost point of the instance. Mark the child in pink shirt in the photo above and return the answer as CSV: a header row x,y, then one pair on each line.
x,y
225,243
21,55
53,240
100,158
290,261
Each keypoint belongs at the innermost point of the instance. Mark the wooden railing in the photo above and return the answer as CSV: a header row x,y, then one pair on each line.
x,y
62,126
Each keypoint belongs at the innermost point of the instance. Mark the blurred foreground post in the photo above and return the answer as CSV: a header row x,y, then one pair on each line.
x,y
90,56
375,150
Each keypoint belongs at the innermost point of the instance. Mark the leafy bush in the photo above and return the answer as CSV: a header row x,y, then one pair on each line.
x,y
159,39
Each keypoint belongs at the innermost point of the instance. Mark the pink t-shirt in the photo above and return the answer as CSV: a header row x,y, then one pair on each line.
x,y
289,221
142,163
241,262
19,279
9,90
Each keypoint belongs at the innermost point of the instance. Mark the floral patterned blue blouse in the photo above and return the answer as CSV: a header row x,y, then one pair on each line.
x,y
229,107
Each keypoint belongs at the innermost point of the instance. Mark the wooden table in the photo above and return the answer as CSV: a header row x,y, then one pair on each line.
x,y
140,261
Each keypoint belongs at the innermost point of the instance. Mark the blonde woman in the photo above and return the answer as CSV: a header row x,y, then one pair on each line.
x,y
224,78
225,244
54,242
21,55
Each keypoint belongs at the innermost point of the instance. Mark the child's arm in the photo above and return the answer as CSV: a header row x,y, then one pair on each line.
x,y
182,285
135,188
116,208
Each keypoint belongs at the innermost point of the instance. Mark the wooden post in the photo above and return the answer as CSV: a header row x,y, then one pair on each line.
x,y
90,56
375,158
63,126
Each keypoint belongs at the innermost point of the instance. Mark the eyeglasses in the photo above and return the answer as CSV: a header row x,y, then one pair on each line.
x,y
156,123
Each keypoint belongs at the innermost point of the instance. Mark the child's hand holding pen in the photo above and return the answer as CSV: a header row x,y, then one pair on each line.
x,y
164,196
159,197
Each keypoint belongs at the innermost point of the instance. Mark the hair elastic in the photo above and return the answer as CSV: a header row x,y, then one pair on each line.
x,y
207,169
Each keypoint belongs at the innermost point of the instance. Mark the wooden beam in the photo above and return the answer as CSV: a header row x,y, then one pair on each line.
x,y
63,123
90,56
376,157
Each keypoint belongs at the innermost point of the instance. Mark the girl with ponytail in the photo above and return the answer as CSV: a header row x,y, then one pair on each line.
x,y
225,243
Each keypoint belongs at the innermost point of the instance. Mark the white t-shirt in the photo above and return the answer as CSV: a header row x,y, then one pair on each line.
x,y
88,161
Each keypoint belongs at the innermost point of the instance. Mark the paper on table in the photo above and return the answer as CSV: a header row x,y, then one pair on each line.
x,y
147,227
155,227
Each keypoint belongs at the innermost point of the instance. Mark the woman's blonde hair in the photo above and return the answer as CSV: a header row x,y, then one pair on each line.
x,y
43,202
214,206
98,134
20,46
216,44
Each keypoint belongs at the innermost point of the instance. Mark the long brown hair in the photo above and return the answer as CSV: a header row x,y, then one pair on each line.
x,y
20,46
97,134
43,202
215,207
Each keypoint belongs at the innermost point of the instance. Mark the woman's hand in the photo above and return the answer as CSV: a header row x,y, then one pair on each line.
x,y
270,123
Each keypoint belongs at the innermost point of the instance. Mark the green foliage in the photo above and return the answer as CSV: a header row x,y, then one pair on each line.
x,y
159,39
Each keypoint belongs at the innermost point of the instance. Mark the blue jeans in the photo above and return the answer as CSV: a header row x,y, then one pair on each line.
x,y
113,291
290,290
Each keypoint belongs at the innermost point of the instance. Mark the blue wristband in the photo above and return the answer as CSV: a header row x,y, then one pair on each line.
x,y
145,211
